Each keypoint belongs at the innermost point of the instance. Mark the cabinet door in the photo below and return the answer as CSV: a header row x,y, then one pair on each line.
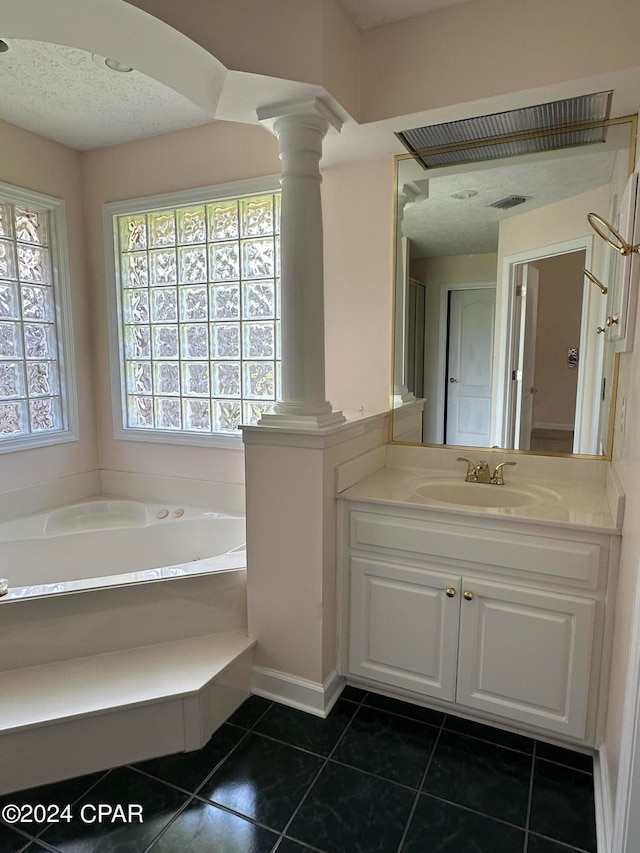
x,y
404,627
525,654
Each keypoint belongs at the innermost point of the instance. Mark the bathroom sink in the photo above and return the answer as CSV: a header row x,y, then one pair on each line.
x,y
479,494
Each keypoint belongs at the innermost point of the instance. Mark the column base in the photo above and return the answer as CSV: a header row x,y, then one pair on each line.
x,y
301,421
402,395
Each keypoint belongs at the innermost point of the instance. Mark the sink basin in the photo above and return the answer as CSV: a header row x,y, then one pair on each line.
x,y
480,494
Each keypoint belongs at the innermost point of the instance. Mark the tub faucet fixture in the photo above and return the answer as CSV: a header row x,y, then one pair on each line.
x,y
481,473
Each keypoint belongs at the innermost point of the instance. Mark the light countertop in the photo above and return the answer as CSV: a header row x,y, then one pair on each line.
x,y
558,503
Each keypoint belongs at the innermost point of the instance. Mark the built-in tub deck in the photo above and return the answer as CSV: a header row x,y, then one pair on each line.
x,y
64,719
123,636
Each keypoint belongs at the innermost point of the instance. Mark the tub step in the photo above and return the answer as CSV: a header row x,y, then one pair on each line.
x,y
72,717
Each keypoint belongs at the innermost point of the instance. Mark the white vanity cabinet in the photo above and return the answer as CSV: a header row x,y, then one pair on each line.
x,y
496,620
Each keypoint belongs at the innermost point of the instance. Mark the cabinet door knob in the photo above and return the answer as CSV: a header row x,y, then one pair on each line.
x,y
468,595
451,592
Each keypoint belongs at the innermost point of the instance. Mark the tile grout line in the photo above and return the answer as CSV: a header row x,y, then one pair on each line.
x,y
363,702
440,727
317,775
36,836
192,795
566,766
156,838
45,845
530,798
28,839
492,742
216,766
571,848
423,778
479,813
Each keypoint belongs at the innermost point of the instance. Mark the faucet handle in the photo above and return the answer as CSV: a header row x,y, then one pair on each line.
x,y
497,479
471,469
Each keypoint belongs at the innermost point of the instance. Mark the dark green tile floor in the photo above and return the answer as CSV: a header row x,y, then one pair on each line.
x,y
377,776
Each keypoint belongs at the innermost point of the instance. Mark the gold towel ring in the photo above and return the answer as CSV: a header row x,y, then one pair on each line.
x,y
621,245
604,290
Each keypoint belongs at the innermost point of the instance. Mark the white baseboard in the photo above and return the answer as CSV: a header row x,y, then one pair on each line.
x,y
309,696
567,427
603,804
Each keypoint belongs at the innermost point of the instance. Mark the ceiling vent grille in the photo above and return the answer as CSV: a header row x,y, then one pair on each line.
x,y
543,127
509,201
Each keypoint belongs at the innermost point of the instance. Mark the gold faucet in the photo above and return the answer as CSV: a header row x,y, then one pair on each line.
x,y
481,473
497,479
471,469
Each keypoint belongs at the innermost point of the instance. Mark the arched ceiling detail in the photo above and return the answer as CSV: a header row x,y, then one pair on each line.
x,y
116,29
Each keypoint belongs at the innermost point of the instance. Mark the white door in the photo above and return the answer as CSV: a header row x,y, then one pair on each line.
x,y
404,626
525,374
525,655
470,364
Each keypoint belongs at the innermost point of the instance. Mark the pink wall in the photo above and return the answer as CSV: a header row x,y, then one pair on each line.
x,y
357,203
626,459
559,319
34,163
488,48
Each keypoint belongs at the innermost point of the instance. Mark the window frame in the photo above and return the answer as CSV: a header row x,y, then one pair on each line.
x,y
61,285
150,204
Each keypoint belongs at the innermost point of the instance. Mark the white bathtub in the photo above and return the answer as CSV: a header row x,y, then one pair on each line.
x,y
108,574
106,542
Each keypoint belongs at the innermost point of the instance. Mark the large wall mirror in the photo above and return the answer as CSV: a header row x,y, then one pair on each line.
x,y
500,337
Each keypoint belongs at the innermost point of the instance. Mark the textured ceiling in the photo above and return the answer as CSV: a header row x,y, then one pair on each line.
x,y
61,93
439,225
366,14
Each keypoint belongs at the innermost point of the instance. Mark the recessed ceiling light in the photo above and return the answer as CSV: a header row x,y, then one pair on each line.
x,y
111,64
4,47
463,194
114,65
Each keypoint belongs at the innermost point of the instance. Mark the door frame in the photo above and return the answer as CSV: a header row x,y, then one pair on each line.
x,y
443,343
591,347
527,324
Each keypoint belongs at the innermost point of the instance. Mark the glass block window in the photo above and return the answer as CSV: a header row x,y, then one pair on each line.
x,y
32,388
199,314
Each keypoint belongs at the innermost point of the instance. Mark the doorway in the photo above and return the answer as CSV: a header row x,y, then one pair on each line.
x,y
546,352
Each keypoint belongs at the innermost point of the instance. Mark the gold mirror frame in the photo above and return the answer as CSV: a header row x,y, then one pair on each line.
x,y
632,121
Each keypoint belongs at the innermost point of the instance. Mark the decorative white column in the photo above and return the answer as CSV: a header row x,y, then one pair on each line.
x,y
300,129
401,394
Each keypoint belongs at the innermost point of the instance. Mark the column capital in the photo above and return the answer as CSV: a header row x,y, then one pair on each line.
x,y
269,115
